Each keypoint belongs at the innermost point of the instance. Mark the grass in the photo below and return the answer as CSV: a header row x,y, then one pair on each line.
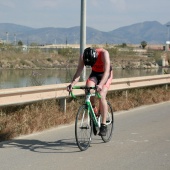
x,y
38,59
67,57
30,118
27,119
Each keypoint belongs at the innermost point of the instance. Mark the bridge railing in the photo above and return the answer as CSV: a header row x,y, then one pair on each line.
x,y
17,96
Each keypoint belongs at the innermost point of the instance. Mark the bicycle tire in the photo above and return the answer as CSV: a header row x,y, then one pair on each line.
x,y
83,128
110,124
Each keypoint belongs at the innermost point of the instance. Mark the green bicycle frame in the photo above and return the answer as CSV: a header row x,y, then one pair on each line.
x,y
88,104
90,109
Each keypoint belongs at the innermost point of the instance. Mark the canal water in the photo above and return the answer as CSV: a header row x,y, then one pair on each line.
x,y
25,78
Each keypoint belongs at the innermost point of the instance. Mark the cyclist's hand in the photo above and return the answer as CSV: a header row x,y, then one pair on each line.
x,y
99,88
69,88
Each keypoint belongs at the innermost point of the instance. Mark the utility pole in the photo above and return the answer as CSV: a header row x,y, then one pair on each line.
x,y
168,25
7,37
83,32
15,39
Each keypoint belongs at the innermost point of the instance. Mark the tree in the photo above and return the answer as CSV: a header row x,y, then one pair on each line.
x,y
124,45
33,44
20,43
143,44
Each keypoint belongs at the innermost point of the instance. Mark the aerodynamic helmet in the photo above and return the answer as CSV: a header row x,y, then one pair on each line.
x,y
89,56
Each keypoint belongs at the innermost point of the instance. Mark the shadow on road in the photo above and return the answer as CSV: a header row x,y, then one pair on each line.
x,y
60,146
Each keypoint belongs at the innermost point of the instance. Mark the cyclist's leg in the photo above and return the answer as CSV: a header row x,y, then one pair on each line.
x,y
103,103
104,106
110,123
103,111
91,81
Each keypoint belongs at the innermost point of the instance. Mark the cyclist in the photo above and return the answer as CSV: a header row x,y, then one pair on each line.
x,y
101,76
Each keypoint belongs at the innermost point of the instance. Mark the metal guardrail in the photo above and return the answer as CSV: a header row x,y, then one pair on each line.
x,y
24,95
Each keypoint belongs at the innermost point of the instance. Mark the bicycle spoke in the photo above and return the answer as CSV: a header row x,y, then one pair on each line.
x,y
83,129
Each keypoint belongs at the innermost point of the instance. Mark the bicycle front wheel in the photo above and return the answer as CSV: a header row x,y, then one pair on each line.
x,y
109,123
83,128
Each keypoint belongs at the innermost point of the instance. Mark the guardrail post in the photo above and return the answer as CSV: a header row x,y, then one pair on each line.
x,y
166,86
126,94
63,104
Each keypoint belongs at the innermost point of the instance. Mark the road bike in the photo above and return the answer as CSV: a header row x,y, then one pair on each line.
x,y
87,122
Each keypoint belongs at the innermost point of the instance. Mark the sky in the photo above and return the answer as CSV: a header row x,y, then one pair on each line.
x,y
104,15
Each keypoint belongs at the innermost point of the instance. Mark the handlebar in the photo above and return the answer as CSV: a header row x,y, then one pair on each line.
x,y
84,88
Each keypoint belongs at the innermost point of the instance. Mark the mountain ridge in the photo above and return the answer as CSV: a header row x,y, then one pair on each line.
x,y
152,32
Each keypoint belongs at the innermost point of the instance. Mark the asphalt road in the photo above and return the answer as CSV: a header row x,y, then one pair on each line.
x,y
141,141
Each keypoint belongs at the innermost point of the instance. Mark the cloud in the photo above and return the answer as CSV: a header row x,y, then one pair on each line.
x,y
54,4
9,4
49,4
119,4
114,4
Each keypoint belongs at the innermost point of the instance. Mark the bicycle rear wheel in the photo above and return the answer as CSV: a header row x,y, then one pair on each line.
x,y
83,128
109,123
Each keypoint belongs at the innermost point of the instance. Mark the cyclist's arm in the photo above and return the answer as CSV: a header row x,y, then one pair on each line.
x,y
80,67
106,60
